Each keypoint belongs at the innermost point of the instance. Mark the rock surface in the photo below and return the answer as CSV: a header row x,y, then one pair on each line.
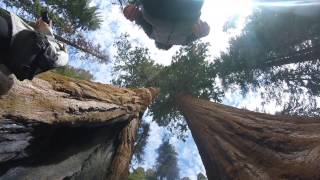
x,y
59,128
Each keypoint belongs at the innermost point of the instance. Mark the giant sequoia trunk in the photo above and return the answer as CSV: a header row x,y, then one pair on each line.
x,y
240,144
58,128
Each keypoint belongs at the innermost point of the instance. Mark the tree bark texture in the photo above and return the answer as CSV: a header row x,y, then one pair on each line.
x,y
240,144
56,127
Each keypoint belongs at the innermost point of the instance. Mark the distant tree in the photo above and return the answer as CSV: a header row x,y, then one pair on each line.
x,y
301,105
167,162
151,174
292,38
79,13
76,73
277,51
137,174
70,16
141,142
133,66
141,174
201,176
185,178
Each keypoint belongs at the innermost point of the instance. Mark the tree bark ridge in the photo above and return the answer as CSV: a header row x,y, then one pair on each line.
x,y
56,127
240,144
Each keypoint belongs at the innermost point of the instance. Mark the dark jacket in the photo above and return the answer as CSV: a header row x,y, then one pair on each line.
x,y
168,23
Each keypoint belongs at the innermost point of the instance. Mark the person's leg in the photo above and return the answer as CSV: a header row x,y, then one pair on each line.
x,y
4,35
6,80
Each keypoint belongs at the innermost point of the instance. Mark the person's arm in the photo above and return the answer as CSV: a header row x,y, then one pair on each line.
x,y
199,30
133,13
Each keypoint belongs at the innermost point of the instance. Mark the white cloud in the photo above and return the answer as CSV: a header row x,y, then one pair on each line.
x,y
190,162
154,141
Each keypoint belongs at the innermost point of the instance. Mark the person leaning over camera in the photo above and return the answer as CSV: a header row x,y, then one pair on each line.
x,y
169,22
27,51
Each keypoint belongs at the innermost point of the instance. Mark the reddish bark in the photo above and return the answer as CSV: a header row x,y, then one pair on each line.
x,y
240,144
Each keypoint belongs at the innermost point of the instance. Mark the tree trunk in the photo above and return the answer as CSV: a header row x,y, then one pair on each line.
x,y
59,128
85,48
240,144
301,56
310,54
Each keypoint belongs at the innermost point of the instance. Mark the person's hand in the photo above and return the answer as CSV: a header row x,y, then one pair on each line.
x,y
201,29
63,47
131,12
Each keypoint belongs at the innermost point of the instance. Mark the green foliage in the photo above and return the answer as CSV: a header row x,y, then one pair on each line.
x,y
270,39
71,15
151,174
138,174
200,176
78,13
185,178
141,142
133,66
167,162
277,51
141,174
75,73
301,105
190,73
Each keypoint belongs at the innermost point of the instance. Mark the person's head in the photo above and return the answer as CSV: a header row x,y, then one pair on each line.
x,y
131,12
201,29
163,46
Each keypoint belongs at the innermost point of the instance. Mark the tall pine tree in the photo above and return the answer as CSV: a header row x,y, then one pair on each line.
x,y
167,162
278,51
